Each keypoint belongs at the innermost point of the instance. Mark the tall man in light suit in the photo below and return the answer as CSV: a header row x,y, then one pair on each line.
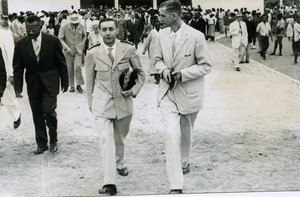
x,y
239,41
179,107
109,103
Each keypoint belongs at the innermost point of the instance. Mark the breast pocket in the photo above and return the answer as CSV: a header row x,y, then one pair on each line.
x,y
102,71
123,66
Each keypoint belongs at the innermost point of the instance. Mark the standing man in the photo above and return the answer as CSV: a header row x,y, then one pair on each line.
x,y
134,30
40,54
279,34
2,75
110,104
239,40
73,37
264,31
121,26
183,49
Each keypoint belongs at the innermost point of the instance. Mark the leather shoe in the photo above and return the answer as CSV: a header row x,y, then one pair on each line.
x,y
72,89
123,172
175,191
186,170
272,53
53,147
19,95
79,89
108,189
18,122
238,69
40,150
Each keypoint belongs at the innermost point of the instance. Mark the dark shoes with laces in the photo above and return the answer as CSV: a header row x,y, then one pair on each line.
x,y
109,189
123,172
18,122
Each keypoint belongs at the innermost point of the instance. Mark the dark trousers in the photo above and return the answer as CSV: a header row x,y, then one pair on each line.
x,y
43,112
264,43
296,50
278,41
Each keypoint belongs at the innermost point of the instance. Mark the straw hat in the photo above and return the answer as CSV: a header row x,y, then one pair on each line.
x,y
74,18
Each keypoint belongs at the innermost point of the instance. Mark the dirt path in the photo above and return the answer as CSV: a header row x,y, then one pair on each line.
x,y
247,138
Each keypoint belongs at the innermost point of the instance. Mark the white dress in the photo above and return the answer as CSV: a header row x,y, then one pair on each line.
x,y
289,29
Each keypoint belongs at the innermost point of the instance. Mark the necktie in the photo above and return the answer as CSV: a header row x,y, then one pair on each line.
x,y
173,44
36,48
240,27
110,55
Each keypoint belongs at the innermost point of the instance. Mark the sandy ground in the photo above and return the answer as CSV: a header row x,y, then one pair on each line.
x,y
247,138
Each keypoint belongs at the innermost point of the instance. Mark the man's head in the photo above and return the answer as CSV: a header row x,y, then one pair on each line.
x,y
108,30
95,26
170,12
33,26
264,18
239,17
157,25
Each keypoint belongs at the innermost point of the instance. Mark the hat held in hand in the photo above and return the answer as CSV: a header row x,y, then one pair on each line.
x,y
127,79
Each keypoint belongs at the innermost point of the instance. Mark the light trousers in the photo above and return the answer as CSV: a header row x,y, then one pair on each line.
x,y
74,64
11,103
112,140
178,128
238,54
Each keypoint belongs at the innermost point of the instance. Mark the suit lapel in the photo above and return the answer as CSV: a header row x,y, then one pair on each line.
x,y
29,48
44,47
120,53
103,56
182,40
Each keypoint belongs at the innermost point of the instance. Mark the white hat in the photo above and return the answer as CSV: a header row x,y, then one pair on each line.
x,y
74,18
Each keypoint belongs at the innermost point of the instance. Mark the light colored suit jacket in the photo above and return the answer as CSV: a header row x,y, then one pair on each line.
x,y
74,39
192,59
102,80
237,37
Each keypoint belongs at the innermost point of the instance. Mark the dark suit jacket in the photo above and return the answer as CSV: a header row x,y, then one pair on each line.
x,y
50,69
2,73
135,31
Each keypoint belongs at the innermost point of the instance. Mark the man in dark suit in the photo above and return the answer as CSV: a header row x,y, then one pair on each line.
x,y
41,55
134,30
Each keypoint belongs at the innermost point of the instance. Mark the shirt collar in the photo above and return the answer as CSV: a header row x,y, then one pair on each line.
x,y
177,33
107,47
39,38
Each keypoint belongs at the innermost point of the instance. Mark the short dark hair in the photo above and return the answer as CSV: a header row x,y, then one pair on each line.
x,y
172,6
32,19
108,19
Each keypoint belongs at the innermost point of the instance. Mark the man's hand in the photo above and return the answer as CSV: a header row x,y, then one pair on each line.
x,y
177,75
19,94
167,75
64,89
128,93
11,80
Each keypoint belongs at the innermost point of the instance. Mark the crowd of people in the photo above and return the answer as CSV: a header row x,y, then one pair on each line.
x,y
53,47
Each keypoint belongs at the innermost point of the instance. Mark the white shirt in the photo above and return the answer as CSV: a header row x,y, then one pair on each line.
x,y
113,51
263,28
296,32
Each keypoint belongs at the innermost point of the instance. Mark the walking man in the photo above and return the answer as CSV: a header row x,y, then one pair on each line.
x,y
111,105
183,49
40,54
264,32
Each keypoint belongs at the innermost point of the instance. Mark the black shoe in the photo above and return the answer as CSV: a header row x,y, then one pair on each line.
x,y
109,190
72,89
186,170
175,191
18,122
123,172
247,62
40,150
241,62
237,69
53,147
19,95
279,54
79,89
272,53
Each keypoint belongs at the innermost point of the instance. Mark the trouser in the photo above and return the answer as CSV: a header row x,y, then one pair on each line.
x,y
297,50
44,114
264,43
247,52
221,23
178,128
11,103
238,54
278,42
74,63
113,133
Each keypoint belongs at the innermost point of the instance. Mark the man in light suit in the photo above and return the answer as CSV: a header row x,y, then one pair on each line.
x,y
239,40
183,49
109,103
40,54
73,36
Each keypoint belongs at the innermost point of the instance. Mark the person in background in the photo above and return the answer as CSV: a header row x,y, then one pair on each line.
x,y
121,26
251,29
134,30
182,58
263,30
239,40
279,33
73,37
296,38
40,54
94,37
3,75
111,105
